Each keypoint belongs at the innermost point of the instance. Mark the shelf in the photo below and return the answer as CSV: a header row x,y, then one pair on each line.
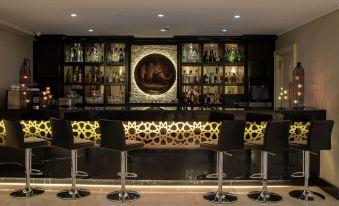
x,y
192,64
234,84
191,84
234,64
90,84
115,84
94,64
115,64
73,63
70,84
213,64
211,85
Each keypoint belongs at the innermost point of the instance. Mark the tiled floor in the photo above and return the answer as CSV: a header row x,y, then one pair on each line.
x,y
153,195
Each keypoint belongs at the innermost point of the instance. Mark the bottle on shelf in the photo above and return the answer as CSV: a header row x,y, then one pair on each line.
x,y
197,76
79,76
211,78
69,76
226,78
75,74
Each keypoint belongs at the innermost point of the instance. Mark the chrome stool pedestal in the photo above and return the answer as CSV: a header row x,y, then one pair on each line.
x,y
73,193
28,191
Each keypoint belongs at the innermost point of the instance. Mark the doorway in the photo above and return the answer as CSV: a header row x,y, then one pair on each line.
x,y
285,59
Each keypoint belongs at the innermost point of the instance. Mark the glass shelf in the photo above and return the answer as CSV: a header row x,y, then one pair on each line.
x,y
95,53
73,52
191,53
211,53
115,53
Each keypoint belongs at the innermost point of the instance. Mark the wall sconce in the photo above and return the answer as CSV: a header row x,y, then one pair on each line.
x,y
298,86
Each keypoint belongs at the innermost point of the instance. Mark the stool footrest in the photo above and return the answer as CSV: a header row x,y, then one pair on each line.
x,y
215,176
82,174
129,175
298,174
36,172
256,176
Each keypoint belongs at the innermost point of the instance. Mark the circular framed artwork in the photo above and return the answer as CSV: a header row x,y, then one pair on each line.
x,y
155,74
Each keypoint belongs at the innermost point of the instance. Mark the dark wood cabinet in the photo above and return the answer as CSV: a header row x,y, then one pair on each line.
x,y
256,67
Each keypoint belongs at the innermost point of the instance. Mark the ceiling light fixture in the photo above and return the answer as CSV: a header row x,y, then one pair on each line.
x,y
162,30
224,30
161,15
236,16
90,30
74,15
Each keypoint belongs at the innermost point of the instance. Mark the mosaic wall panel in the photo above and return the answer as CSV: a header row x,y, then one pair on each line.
x,y
140,51
162,134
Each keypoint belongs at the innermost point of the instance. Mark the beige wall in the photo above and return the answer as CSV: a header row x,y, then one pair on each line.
x,y
14,47
318,50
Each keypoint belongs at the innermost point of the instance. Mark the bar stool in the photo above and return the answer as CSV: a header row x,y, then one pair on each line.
x,y
62,136
231,137
15,139
275,140
255,117
113,138
319,138
218,117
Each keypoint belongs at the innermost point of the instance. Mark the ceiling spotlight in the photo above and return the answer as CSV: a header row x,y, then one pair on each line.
x,y
236,16
160,15
74,15
224,30
90,30
162,30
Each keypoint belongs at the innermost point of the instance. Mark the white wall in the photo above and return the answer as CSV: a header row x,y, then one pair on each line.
x,y
14,48
318,50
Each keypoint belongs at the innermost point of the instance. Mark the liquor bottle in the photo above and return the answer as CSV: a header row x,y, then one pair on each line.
x,y
122,78
226,78
121,55
206,57
192,97
69,76
211,78
75,74
197,76
191,77
79,76
102,77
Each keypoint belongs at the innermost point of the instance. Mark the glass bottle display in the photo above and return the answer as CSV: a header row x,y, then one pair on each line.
x,y
211,53
234,53
115,53
191,95
212,95
95,53
191,75
212,75
94,74
74,52
191,53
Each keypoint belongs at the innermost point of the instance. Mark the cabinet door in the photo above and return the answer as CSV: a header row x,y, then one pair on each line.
x,y
46,63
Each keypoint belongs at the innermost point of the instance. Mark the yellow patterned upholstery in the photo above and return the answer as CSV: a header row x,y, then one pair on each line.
x,y
158,134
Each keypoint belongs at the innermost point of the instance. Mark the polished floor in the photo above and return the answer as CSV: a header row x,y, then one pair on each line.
x,y
155,195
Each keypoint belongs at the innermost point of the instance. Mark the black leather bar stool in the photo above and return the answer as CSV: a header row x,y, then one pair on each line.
x,y
275,140
231,138
319,138
62,136
113,138
255,118
15,139
218,117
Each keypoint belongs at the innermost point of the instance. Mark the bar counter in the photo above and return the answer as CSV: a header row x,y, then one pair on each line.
x,y
171,141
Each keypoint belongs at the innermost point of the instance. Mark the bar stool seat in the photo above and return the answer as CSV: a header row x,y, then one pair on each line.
x,y
62,136
15,139
231,138
318,138
113,138
275,140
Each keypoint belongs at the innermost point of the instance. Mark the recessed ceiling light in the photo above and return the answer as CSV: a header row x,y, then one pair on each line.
x,y
163,30
90,30
236,16
224,30
160,15
74,15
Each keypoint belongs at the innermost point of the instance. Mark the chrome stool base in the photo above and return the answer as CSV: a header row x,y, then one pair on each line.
x,y
220,197
27,192
119,196
306,195
264,196
73,194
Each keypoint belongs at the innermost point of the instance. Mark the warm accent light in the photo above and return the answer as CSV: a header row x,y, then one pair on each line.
x,y
236,16
74,15
161,15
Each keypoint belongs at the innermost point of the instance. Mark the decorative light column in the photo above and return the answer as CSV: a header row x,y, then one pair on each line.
x,y
298,86
25,83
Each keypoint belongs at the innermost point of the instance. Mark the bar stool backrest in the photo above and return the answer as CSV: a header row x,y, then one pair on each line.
x,y
14,134
276,136
112,135
320,135
231,136
251,117
62,133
